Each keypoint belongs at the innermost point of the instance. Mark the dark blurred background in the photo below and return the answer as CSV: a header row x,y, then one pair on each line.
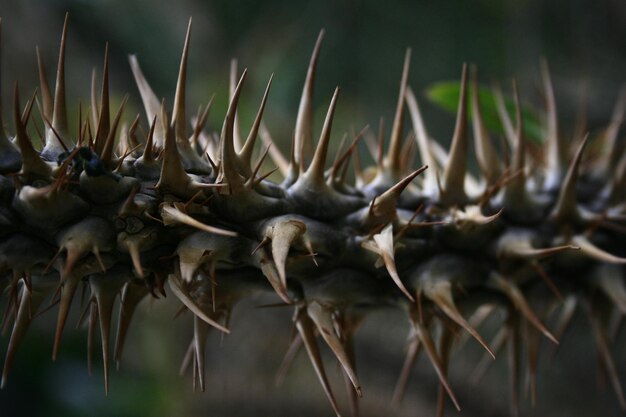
x,y
583,41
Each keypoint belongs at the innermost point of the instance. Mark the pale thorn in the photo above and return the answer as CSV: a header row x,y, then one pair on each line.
x,y
384,242
612,131
173,178
503,114
566,208
497,344
107,150
104,300
232,83
515,191
303,136
472,186
179,119
268,268
191,304
283,235
517,299
200,332
305,329
151,103
32,164
453,180
392,161
253,176
592,251
246,151
429,346
510,246
135,256
565,317
314,174
485,153
94,98
440,293
148,150
171,214
290,355
68,289
199,122
277,157
606,357
430,187
322,317
103,125
409,361
557,148
609,279
228,164
58,124
131,296
472,216
46,96
383,208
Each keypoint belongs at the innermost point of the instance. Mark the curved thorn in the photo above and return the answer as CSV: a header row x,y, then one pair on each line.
x,y
186,299
324,323
384,241
440,293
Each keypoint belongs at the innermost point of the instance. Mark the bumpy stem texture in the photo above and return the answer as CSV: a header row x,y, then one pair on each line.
x,y
189,213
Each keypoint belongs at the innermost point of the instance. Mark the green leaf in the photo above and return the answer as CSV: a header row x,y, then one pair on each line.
x,y
446,95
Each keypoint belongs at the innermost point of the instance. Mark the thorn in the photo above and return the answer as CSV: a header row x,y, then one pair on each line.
x,y
315,172
303,137
107,151
186,299
392,162
440,293
305,329
430,186
151,104
566,208
517,298
592,251
429,346
485,153
132,295
231,91
383,208
557,149
294,348
178,118
322,317
283,236
228,168
454,174
277,157
103,120
200,332
171,214
45,89
384,241
409,361
246,151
